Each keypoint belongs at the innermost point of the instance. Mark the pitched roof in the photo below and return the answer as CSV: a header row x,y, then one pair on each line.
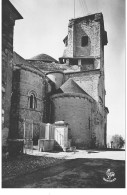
x,y
88,88
46,66
24,64
70,86
17,59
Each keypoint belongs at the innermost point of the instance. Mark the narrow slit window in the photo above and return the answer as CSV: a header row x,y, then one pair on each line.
x,y
32,101
84,41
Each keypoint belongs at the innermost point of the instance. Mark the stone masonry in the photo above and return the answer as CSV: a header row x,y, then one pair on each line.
x,y
9,16
40,90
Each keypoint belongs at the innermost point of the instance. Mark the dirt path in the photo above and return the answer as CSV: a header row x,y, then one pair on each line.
x,y
74,173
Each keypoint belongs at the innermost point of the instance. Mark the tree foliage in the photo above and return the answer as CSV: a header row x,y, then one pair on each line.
x,y
117,141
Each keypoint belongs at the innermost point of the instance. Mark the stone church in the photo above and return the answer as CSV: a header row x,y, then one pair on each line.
x,y
45,90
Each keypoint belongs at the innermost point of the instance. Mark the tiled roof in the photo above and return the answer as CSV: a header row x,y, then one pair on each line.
x,y
17,59
22,63
47,66
40,65
70,86
43,57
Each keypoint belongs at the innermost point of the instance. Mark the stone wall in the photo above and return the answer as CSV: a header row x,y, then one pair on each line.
x,y
25,82
7,84
90,28
68,52
98,133
7,56
9,15
92,82
101,90
88,81
84,118
76,111
57,78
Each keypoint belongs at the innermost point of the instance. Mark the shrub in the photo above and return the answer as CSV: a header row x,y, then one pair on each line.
x,y
117,141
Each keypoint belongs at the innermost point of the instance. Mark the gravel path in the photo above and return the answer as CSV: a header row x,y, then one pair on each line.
x,y
24,164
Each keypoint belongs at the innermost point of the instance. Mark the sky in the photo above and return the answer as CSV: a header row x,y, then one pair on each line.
x,y
45,25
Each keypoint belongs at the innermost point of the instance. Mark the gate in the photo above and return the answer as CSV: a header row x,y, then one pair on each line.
x,y
28,136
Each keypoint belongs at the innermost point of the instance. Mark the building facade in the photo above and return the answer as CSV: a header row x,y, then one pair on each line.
x,y
9,16
84,50
73,89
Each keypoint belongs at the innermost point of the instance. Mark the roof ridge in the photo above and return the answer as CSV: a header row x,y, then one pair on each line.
x,y
81,88
72,82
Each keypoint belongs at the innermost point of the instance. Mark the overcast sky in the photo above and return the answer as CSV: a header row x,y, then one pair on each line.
x,y
44,26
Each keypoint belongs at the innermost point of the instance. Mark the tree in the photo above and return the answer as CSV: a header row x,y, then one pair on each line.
x,y
117,141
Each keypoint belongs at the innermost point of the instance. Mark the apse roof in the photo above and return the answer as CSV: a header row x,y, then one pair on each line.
x,y
22,63
70,86
17,59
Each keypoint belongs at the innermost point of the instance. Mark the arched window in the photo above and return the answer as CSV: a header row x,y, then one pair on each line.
x,y
32,101
84,41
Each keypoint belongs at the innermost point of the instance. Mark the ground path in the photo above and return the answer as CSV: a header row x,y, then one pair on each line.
x,y
80,169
